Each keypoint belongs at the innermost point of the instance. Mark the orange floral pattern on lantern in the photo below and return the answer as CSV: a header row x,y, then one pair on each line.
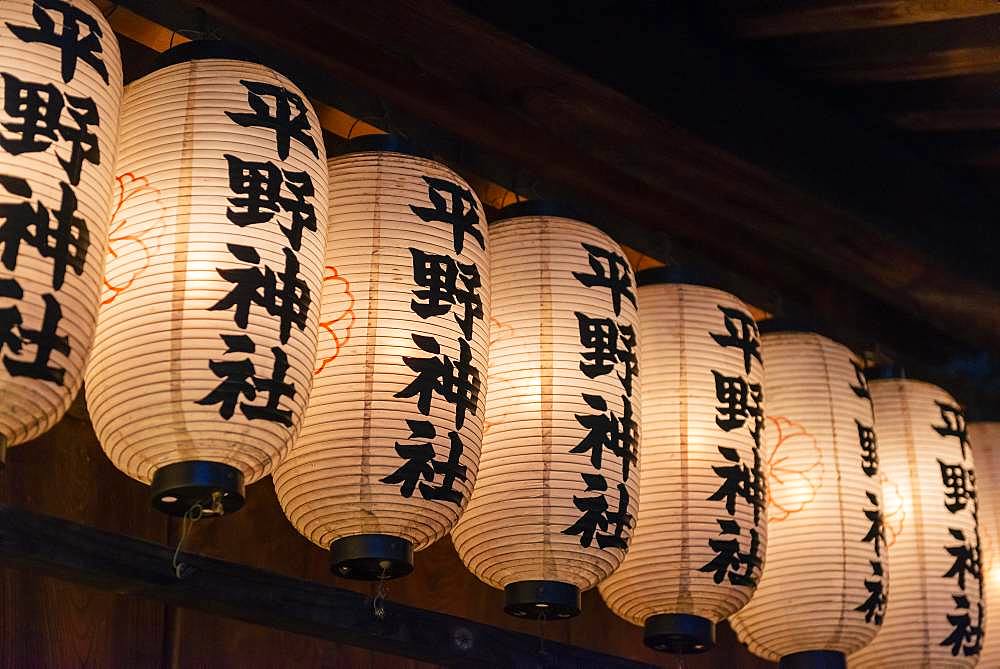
x,y
336,293
893,509
129,187
799,483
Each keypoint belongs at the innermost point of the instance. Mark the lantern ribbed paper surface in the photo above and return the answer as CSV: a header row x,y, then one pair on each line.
x,y
935,608
390,442
826,576
986,437
207,336
61,90
558,481
693,358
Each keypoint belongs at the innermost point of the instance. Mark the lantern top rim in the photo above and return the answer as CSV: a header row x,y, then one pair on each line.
x,y
378,142
887,372
539,207
204,49
677,275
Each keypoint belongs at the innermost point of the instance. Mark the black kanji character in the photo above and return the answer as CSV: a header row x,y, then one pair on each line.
x,y
617,277
861,390
461,213
869,448
83,143
967,559
289,302
18,220
458,382
874,606
452,469
36,110
45,341
236,375
596,515
876,533
10,317
739,401
738,480
600,336
627,356
620,435
954,424
959,486
438,277
286,127
300,185
258,185
729,560
80,38
419,459
741,333
275,388
965,637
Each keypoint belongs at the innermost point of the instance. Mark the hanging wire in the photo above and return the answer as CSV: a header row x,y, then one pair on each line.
x,y
541,636
381,592
207,507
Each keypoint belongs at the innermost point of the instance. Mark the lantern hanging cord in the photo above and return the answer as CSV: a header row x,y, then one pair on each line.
x,y
541,636
211,506
381,592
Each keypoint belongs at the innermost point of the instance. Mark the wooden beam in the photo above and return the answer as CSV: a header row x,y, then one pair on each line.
x,y
128,566
759,20
889,67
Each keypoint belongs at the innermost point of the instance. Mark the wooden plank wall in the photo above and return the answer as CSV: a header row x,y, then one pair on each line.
x,y
48,623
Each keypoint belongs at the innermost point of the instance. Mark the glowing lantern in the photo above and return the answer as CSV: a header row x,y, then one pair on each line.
x,y
390,444
986,437
822,595
552,510
206,339
61,86
935,610
699,543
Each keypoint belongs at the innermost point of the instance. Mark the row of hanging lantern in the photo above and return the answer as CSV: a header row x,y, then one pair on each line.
x,y
220,311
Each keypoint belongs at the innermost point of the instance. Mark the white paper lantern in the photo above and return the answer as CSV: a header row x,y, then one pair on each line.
x,y
986,437
553,508
390,443
823,592
935,608
60,90
206,339
699,542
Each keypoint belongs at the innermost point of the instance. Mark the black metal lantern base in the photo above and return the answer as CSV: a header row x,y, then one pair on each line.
x,y
679,633
371,557
179,486
814,659
552,600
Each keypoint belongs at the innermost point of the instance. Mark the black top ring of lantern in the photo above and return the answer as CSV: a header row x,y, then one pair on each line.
x,y
542,600
204,49
554,208
677,274
679,633
388,143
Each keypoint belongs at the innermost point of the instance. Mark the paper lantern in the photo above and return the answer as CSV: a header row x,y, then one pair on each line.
x,y
553,508
61,90
986,439
206,337
699,541
935,609
390,444
823,592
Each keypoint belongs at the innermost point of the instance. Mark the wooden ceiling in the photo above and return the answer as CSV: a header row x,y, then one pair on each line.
x,y
929,69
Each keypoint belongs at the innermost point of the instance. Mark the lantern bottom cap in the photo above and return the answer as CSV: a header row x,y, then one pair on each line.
x,y
548,600
679,633
178,487
371,557
814,659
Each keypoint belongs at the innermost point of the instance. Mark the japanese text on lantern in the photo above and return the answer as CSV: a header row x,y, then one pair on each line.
x,y
740,406
41,117
607,344
264,193
442,285
874,606
958,480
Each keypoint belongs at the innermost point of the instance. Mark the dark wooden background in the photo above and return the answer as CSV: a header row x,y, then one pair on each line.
x,y
49,623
